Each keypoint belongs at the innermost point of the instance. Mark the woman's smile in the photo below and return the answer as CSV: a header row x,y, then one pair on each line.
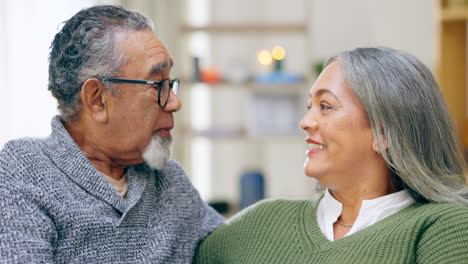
x,y
314,147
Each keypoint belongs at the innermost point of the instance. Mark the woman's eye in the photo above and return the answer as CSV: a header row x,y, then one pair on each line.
x,y
324,107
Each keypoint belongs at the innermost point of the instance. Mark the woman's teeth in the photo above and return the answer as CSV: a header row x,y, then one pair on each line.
x,y
316,146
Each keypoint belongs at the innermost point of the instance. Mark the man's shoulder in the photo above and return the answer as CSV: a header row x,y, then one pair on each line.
x,y
19,155
173,168
21,146
174,174
174,182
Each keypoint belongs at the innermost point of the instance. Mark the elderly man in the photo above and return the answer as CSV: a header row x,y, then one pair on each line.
x,y
100,188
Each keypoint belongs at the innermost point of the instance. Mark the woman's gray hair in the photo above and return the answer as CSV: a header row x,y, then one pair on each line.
x,y
410,122
85,48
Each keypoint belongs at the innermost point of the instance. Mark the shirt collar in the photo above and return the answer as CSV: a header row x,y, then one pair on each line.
x,y
328,211
371,211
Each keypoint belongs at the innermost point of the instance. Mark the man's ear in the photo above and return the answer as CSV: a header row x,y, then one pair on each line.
x,y
93,98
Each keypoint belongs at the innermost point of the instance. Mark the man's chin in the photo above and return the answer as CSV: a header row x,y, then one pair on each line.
x,y
158,151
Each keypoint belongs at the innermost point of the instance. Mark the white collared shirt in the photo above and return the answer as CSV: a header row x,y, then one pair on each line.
x,y
372,211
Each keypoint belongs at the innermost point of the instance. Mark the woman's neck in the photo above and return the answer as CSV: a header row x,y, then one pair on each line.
x,y
351,198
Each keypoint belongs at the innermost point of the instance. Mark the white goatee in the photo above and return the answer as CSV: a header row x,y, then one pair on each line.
x,y
158,151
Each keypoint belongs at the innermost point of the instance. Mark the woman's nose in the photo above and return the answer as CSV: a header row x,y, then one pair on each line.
x,y
309,121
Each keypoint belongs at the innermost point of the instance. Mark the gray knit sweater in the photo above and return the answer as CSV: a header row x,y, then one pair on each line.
x,y
55,207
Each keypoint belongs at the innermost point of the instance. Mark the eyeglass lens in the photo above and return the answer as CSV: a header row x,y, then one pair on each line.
x,y
175,86
164,92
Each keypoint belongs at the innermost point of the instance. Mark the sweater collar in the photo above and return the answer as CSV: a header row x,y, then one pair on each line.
x,y
68,157
313,237
372,211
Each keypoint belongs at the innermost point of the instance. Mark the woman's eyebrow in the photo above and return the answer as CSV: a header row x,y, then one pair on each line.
x,y
324,91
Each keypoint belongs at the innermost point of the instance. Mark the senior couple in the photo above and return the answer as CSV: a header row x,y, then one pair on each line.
x,y
101,188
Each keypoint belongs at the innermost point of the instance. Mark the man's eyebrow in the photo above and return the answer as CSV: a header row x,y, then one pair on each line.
x,y
159,68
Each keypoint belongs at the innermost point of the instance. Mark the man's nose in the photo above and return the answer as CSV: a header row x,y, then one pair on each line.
x,y
174,104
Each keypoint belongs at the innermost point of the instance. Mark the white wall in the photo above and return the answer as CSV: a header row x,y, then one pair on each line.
x,y
401,24
27,29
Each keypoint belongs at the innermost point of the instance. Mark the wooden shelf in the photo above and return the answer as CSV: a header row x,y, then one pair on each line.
x,y
452,63
246,28
454,14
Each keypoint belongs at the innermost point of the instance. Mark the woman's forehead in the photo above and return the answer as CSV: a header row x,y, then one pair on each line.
x,y
331,80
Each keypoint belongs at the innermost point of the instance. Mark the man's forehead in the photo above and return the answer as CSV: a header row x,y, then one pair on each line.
x,y
145,53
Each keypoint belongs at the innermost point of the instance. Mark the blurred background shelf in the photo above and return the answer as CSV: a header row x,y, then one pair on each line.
x,y
300,87
246,28
240,133
245,115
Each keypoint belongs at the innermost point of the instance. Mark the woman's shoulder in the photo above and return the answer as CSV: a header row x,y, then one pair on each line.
x,y
443,237
430,215
438,221
273,220
261,218
264,215
436,211
272,208
443,216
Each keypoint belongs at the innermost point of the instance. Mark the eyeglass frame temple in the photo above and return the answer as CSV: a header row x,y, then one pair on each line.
x,y
120,80
171,85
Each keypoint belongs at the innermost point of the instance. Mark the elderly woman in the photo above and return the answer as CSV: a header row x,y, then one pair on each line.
x,y
382,142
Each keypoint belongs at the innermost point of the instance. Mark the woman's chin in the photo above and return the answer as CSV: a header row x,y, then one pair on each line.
x,y
321,177
313,171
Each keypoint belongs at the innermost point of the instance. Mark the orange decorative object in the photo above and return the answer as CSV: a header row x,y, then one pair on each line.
x,y
210,75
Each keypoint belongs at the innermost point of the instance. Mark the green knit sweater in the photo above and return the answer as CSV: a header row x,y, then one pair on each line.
x,y
287,231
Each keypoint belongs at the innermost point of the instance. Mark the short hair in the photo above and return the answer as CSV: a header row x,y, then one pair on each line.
x,y
410,122
85,48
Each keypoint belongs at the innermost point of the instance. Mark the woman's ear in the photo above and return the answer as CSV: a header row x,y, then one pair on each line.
x,y
93,98
375,144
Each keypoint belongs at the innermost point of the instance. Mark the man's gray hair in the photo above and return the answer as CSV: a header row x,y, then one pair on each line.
x,y
85,48
410,122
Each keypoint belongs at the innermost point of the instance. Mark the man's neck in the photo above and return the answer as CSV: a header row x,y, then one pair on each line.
x,y
102,162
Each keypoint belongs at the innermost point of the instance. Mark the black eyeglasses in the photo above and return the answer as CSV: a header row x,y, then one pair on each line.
x,y
164,87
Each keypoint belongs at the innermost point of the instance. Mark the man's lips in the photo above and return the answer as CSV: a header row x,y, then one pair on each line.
x,y
165,132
